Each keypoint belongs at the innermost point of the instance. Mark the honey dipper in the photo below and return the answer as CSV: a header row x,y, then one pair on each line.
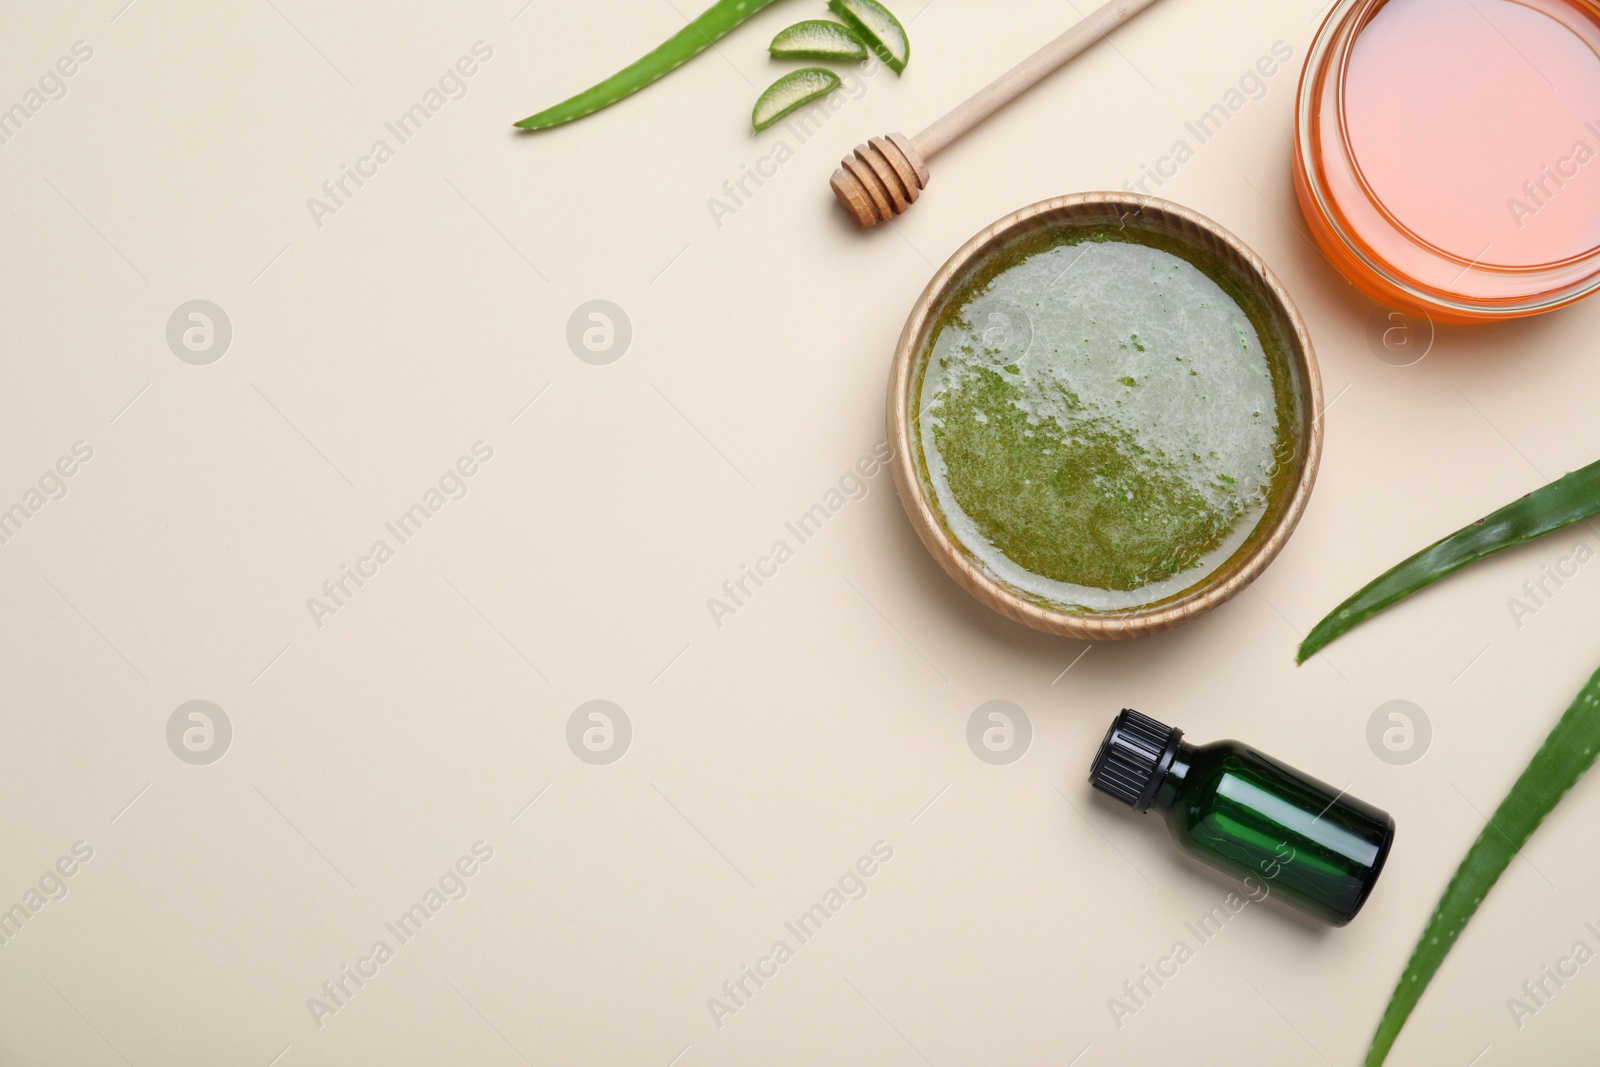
x,y
887,174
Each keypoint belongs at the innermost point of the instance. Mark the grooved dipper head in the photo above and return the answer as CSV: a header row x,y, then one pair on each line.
x,y
881,179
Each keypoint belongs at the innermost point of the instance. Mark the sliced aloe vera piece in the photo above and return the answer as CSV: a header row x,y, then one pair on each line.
x,y
878,28
817,39
793,90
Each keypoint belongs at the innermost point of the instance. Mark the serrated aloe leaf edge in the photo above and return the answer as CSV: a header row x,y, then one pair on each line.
x,y
1566,754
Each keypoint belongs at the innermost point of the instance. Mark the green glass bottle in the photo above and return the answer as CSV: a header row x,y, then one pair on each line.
x,y
1243,812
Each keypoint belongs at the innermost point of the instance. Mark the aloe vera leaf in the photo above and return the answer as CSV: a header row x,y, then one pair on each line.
x,y
793,90
1566,754
817,39
718,20
1569,499
877,26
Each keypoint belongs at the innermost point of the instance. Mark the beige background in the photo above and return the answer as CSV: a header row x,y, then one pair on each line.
x,y
768,754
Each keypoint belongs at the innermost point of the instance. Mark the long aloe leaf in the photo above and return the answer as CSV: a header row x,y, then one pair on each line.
x,y
721,18
1566,500
1566,754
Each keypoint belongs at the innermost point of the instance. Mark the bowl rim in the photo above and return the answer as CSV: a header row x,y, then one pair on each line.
x,y
944,547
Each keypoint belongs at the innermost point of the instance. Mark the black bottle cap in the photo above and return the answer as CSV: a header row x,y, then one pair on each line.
x,y
1134,758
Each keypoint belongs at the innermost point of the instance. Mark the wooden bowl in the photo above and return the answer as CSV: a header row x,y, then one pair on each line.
x,y
1273,528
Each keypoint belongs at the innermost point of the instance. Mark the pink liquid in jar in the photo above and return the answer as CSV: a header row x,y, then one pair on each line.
x,y
1454,151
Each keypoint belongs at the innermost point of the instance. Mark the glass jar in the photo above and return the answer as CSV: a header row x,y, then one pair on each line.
x,y
1447,152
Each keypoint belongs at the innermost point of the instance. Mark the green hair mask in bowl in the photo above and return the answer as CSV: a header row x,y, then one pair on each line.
x,y
1106,413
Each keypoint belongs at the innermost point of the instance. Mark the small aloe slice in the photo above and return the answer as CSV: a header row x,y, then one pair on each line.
x,y
1566,754
817,39
875,25
793,90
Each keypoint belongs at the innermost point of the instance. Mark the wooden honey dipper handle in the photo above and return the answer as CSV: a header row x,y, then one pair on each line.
x,y
887,174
